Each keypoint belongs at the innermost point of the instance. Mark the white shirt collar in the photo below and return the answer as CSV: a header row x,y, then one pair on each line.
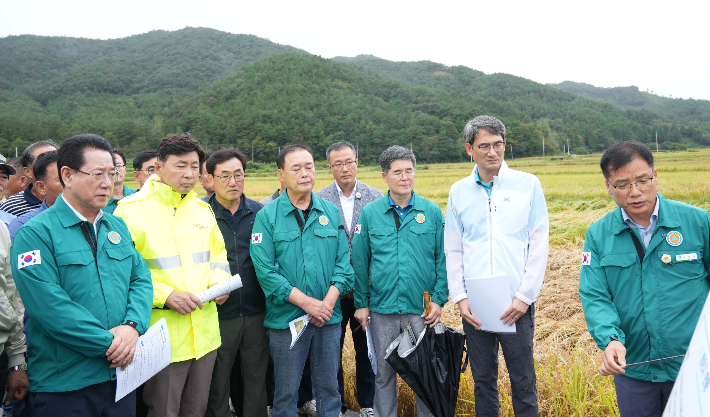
x,y
340,192
82,218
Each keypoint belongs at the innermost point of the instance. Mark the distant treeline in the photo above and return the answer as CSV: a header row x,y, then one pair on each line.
x,y
243,91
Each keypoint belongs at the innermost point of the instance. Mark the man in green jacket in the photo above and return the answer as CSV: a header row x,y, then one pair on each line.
x,y
644,280
86,288
398,248
302,261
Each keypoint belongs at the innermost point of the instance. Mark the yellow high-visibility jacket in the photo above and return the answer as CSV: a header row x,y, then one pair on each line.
x,y
184,249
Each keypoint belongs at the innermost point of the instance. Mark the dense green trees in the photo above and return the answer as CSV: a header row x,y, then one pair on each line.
x,y
238,90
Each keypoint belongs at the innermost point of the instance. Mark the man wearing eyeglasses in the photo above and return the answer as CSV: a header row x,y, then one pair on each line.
x,y
398,254
644,280
119,189
177,235
86,288
497,228
241,317
350,196
144,166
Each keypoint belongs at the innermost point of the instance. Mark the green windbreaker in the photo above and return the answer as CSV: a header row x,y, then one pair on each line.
x,y
399,265
312,260
650,308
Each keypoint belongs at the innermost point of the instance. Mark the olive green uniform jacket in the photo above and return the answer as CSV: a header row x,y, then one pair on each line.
x,y
394,267
650,308
311,260
74,298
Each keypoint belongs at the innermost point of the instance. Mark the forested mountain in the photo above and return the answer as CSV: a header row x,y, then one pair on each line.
x,y
695,113
245,91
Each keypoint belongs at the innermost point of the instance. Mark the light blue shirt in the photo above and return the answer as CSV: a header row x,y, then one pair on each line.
x,y
6,217
402,211
645,232
487,187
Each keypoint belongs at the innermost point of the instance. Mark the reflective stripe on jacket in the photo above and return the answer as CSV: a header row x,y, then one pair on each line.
x,y
184,249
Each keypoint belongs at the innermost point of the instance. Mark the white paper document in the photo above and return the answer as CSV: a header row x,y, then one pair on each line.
x,y
224,287
298,326
691,391
489,298
151,356
371,350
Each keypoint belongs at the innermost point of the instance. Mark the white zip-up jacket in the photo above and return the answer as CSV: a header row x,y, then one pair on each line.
x,y
506,233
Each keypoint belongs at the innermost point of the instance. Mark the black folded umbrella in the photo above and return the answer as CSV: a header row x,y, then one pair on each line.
x,y
430,363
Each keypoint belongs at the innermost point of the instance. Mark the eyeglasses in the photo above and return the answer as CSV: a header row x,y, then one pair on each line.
x,y
150,170
120,166
339,165
226,178
485,147
401,174
642,184
112,176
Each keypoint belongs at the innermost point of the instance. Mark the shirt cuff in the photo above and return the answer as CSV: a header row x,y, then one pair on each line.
x,y
459,297
14,360
523,298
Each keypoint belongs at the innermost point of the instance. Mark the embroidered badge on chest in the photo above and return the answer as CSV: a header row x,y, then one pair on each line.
x,y
674,238
420,218
114,237
323,220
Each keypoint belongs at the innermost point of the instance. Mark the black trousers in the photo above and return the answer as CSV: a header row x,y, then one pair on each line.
x,y
96,400
364,377
641,398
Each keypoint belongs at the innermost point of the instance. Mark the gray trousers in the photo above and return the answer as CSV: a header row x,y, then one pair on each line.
x,y
385,328
244,336
181,389
482,348
641,398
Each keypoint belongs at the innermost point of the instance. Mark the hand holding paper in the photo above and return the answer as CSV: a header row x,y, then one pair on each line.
x,y
224,287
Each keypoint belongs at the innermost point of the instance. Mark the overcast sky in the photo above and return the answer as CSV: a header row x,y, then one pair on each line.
x,y
660,46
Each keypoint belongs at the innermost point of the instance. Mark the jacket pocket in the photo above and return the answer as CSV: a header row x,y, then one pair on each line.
x,y
325,232
73,258
686,270
285,236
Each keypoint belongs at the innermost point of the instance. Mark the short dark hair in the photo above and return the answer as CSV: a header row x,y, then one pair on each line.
x,y
71,153
395,153
208,155
115,151
179,145
621,153
28,158
487,123
143,157
281,157
224,155
43,161
16,163
338,146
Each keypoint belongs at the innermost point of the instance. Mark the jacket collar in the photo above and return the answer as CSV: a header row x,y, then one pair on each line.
x,y
66,215
218,209
287,207
502,174
417,203
667,217
165,193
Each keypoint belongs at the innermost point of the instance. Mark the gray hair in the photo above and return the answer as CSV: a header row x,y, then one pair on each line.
x,y
28,158
394,153
487,123
338,146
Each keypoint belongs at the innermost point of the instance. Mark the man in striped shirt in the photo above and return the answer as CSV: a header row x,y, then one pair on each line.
x,y
29,199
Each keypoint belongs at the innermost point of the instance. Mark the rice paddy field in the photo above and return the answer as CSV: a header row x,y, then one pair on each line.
x,y
567,359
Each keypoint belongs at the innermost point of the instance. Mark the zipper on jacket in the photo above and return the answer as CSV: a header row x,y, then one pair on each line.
x,y
490,232
236,253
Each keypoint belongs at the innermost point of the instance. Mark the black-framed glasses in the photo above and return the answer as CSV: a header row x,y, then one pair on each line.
x,y
150,170
643,184
485,147
226,178
349,164
111,176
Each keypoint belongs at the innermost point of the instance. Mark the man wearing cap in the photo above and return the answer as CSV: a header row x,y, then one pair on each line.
x,y
18,181
644,280
6,170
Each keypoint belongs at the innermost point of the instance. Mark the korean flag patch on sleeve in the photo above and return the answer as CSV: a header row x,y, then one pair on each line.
x,y
586,258
29,258
256,238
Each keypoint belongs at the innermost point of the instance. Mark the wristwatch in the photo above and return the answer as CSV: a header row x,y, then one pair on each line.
x,y
21,367
131,323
